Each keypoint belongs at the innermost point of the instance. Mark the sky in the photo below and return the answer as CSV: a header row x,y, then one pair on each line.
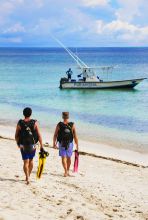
x,y
78,23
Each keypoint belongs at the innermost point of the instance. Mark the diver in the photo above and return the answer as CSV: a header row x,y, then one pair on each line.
x,y
27,135
64,135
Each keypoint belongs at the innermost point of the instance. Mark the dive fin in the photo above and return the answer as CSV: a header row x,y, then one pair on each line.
x,y
42,160
76,162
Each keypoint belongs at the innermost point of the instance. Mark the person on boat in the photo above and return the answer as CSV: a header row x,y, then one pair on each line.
x,y
69,74
64,134
85,75
27,135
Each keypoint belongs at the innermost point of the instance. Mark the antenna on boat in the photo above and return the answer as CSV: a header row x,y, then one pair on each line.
x,y
80,63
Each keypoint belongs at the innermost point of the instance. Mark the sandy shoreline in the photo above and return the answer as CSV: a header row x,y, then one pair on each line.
x,y
93,149
104,135
102,189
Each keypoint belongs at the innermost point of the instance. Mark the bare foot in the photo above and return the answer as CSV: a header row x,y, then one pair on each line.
x,y
65,174
27,181
70,175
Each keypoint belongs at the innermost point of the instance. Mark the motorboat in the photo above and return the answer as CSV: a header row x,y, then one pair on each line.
x,y
88,79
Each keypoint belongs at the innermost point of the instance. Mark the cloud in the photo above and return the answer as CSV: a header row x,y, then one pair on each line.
x,y
120,26
128,9
45,26
70,21
123,31
16,28
140,33
7,8
11,40
95,3
82,22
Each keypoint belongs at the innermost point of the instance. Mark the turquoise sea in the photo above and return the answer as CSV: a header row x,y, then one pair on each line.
x,y
30,77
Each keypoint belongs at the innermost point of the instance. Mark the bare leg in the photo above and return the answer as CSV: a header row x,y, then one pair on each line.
x,y
26,170
30,166
68,164
64,163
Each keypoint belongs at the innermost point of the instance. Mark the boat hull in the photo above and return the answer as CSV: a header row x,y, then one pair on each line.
x,y
101,85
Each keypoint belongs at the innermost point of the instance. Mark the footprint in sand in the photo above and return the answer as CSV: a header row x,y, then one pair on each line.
x,y
117,205
80,217
115,210
60,202
108,215
48,200
17,176
138,211
69,211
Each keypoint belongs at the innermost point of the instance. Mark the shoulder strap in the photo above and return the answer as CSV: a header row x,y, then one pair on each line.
x,y
70,125
30,124
60,124
20,122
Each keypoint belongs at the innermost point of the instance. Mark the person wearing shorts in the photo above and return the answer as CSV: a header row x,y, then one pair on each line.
x,y
27,155
65,152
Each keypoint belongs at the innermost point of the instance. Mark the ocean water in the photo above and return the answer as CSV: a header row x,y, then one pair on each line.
x,y
30,77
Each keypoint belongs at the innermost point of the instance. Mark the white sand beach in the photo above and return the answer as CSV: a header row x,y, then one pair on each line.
x,y
102,189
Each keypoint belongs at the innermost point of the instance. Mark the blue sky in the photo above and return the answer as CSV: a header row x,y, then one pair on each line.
x,y
74,22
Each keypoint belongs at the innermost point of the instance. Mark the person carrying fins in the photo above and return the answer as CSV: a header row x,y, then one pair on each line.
x,y
64,134
27,135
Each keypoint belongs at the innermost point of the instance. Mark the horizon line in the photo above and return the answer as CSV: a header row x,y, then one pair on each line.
x,y
74,47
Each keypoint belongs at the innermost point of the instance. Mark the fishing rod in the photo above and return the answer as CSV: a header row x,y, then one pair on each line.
x,y
74,56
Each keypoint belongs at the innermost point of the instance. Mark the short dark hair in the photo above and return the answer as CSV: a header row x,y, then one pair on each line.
x,y
27,112
65,115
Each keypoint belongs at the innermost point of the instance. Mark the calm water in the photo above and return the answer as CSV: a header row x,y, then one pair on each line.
x,y
30,77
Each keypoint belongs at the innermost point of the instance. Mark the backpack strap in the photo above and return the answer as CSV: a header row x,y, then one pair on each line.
x,y
20,122
32,123
70,125
60,124
29,124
